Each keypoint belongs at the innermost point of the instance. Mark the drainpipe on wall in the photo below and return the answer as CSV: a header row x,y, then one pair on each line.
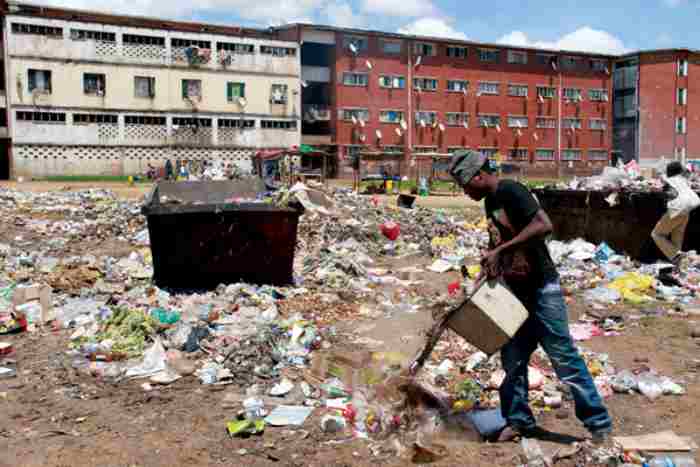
x,y
409,94
8,98
560,95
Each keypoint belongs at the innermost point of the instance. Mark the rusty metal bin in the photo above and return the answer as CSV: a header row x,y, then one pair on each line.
x,y
626,227
200,238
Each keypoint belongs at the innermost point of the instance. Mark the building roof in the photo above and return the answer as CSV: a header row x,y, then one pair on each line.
x,y
660,51
67,14
394,35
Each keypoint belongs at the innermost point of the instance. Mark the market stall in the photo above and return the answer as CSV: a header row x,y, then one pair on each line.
x,y
434,167
280,166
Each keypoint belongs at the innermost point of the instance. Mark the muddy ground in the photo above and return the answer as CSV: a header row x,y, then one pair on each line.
x,y
51,415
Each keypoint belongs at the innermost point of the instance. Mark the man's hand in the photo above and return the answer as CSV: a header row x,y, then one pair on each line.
x,y
490,263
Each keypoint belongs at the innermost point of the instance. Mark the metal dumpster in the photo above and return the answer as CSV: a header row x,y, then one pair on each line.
x,y
626,227
201,237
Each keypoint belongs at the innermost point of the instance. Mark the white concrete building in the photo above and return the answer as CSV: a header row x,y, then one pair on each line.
x,y
90,93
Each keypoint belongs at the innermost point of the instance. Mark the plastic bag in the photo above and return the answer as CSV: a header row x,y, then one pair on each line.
x,y
632,286
624,382
650,385
602,295
153,362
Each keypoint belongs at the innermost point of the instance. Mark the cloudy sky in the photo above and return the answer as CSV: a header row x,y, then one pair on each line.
x,y
599,25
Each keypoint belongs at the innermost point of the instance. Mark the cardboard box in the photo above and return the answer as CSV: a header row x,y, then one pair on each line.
x,y
346,366
490,319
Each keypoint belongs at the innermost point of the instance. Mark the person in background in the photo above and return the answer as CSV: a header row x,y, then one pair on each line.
x,y
669,232
355,164
168,170
184,175
518,254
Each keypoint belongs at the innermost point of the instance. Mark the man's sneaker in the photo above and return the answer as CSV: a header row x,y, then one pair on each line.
x,y
599,437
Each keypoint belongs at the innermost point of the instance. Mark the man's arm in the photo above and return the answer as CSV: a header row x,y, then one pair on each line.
x,y
539,226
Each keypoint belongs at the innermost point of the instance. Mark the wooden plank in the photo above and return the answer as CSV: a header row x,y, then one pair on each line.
x,y
659,442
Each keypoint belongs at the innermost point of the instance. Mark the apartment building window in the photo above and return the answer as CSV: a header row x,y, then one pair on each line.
x,y
425,149
37,30
457,119
598,95
546,92
573,94
682,96
191,88
454,149
39,81
518,154
359,43
491,153
598,124
392,82
681,125
136,39
183,43
145,87
544,154
145,120
393,149
454,51
517,57
192,122
278,94
85,35
571,155
486,121
92,119
391,116
625,105
354,79
278,124
235,48
489,88
427,118
234,91
390,47
278,51
425,84
239,123
683,67
489,55
94,84
546,122
517,122
598,155
457,85
359,114
571,63
424,49
517,90
599,65
569,123
41,117
545,59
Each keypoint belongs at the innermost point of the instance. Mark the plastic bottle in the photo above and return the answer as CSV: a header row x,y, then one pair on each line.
x,y
675,460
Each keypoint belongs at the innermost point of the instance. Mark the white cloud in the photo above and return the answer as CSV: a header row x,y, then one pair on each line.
x,y
400,8
585,39
279,11
341,14
432,27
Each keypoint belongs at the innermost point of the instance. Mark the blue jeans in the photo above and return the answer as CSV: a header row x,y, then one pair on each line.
x,y
548,325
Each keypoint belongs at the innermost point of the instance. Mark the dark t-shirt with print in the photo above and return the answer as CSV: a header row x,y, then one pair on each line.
x,y
509,210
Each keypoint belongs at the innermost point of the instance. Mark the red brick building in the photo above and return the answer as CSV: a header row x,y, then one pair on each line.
x,y
545,111
657,106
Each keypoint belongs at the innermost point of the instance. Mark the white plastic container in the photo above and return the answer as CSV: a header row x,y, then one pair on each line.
x,y
490,319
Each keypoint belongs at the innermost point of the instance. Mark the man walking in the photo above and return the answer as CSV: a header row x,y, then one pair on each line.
x,y
518,253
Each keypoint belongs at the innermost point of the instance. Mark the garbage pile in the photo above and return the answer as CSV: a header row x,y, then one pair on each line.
x,y
628,177
606,278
